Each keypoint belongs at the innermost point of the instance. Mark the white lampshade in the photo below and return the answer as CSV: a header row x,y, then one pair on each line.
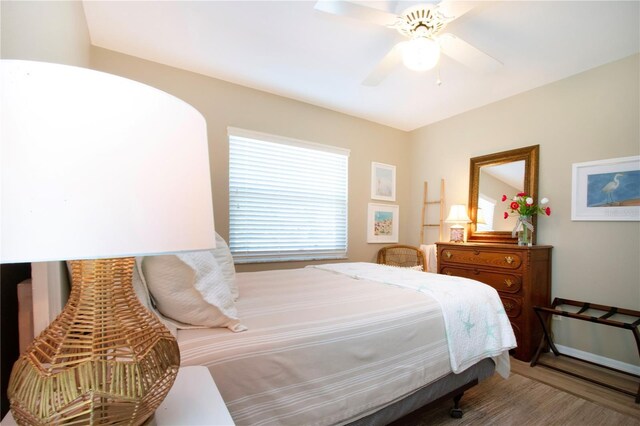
x,y
458,214
98,166
420,54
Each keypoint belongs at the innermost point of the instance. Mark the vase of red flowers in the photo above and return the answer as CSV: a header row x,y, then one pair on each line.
x,y
525,234
522,205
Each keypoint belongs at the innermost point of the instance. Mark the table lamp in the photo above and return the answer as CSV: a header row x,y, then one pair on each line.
x,y
97,169
457,216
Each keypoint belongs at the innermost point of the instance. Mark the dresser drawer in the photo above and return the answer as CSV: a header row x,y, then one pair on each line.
x,y
512,306
503,282
470,256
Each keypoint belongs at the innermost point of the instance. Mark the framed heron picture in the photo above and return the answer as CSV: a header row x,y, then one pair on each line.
x,y
606,190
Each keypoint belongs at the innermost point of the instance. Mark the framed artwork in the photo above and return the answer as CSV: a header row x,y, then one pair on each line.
x,y
382,223
606,190
383,182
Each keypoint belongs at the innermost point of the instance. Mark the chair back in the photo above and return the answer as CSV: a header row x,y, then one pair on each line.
x,y
401,255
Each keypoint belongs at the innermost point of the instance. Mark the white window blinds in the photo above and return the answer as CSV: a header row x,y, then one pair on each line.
x,y
287,199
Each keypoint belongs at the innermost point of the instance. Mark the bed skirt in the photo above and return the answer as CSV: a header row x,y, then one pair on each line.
x,y
428,394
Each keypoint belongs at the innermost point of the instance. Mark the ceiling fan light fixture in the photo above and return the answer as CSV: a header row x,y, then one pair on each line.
x,y
420,54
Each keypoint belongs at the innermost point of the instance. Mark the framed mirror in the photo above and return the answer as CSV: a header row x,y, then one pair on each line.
x,y
490,177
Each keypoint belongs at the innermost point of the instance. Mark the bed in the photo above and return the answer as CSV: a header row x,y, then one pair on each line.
x,y
345,343
349,343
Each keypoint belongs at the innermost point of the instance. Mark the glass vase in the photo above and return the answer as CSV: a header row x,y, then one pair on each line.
x,y
525,234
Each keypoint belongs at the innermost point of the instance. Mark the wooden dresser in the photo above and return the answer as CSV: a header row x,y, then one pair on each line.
x,y
520,274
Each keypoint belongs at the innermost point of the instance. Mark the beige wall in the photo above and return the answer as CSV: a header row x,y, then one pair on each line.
x,y
45,31
591,116
224,104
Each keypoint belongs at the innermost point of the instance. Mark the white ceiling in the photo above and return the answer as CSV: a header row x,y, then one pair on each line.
x,y
291,49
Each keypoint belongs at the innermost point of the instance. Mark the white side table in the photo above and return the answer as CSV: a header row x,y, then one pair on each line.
x,y
193,400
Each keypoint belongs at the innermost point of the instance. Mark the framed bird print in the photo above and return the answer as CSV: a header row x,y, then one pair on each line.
x,y
606,190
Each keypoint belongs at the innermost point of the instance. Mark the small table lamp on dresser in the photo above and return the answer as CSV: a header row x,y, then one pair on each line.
x,y
458,216
98,168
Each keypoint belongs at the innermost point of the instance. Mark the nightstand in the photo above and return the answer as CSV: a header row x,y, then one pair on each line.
x,y
520,274
193,400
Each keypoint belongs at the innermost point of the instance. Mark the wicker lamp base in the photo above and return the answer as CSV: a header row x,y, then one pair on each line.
x,y
105,360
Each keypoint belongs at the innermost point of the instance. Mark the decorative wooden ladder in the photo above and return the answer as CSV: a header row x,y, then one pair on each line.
x,y
426,202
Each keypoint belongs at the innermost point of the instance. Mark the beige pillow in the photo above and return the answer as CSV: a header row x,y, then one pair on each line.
x,y
223,256
141,290
190,288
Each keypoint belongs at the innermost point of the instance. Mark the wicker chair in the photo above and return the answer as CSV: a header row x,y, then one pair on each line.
x,y
401,255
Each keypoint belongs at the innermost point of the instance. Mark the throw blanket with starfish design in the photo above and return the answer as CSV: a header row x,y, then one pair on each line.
x,y
476,323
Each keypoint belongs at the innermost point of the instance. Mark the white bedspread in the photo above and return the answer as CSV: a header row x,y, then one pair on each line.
x,y
476,323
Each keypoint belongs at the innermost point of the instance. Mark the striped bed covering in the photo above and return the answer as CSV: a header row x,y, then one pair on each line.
x,y
322,348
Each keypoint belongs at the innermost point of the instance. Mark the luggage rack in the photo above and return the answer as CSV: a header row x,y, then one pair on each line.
x,y
609,311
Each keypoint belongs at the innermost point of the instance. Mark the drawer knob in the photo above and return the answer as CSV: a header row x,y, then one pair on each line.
x,y
508,306
476,252
508,282
508,259
448,254
448,273
476,272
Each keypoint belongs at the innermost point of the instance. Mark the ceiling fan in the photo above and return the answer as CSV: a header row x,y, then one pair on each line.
x,y
422,25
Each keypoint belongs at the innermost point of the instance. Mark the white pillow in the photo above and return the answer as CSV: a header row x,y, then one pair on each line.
x,y
190,288
223,256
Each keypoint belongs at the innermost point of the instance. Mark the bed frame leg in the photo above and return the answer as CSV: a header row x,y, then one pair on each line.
x,y
456,412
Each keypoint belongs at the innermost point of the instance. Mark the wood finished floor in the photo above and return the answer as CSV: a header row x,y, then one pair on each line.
x,y
537,396
600,395
519,401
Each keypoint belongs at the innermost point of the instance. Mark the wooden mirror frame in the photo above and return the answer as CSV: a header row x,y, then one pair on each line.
x,y
530,155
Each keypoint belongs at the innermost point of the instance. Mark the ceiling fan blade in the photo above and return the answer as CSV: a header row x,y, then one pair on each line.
x,y
466,54
455,9
356,11
385,66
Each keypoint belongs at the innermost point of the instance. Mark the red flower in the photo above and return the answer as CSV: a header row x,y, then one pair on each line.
x,y
522,205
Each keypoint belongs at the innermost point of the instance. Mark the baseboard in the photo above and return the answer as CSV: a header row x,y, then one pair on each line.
x,y
598,359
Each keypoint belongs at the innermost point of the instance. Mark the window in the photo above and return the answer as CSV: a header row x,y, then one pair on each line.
x,y
488,206
287,199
